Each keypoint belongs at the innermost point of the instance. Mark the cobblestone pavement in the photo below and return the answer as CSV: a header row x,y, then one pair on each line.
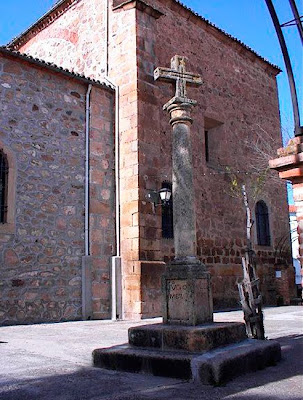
x,y
53,362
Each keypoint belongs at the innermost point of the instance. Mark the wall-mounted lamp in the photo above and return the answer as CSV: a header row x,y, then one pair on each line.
x,y
154,196
165,194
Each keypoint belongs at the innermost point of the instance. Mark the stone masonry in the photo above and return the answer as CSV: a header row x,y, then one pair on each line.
x,y
239,96
42,131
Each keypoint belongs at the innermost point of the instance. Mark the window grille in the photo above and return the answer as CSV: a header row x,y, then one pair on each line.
x,y
167,215
3,187
263,232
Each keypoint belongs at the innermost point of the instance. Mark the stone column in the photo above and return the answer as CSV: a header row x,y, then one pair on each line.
x,y
183,188
186,283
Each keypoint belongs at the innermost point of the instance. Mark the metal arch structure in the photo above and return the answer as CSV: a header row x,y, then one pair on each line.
x,y
291,79
297,19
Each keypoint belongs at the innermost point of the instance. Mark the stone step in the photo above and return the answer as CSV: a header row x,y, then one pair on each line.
x,y
154,362
222,365
213,367
187,338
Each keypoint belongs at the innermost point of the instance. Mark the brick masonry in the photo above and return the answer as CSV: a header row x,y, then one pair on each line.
x,y
239,92
239,95
43,132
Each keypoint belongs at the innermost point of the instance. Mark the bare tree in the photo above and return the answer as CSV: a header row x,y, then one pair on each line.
x,y
261,149
249,287
247,184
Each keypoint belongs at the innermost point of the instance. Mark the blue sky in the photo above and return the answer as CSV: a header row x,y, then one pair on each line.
x,y
248,20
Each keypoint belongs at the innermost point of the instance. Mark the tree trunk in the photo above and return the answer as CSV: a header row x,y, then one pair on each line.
x,y
249,287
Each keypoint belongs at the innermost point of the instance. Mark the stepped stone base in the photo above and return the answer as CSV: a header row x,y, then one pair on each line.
x,y
214,367
212,354
154,362
188,338
223,364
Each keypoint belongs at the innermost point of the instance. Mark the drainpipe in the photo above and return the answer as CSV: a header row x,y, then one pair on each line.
x,y
116,279
87,129
86,260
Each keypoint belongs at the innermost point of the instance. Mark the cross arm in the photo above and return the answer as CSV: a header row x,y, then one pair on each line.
x,y
170,75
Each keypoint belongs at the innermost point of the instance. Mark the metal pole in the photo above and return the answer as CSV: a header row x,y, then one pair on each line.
x,y
297,18
290,74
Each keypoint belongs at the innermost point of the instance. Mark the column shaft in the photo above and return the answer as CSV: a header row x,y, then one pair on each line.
x,y
183,193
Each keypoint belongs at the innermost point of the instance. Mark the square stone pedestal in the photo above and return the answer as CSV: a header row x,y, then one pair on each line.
x,y
187,295
189,345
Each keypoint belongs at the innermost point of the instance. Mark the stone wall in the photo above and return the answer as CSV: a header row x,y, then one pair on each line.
x,y
80,19
41,248
239,96
102,200
123,71
67,41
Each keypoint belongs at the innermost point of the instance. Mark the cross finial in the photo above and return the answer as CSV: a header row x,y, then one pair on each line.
x,y
178,73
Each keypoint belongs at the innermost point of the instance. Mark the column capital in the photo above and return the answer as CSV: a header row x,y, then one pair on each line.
x,y
179,109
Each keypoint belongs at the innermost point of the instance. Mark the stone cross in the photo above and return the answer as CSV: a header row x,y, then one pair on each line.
x,y
186,283
179,108
178,74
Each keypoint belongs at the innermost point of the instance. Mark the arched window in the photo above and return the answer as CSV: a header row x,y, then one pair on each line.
x,y
3,187
167,215
262,219
8,175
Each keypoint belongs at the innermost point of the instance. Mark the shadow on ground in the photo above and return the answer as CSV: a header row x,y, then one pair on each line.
x,y
280,382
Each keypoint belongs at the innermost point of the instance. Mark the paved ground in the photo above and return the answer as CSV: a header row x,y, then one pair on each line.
x,y
53,362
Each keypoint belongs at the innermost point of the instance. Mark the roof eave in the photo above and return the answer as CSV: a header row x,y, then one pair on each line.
x,y
53,67
209,23
60,7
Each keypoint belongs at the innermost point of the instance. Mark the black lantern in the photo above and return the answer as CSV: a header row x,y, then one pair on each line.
x,y
165,194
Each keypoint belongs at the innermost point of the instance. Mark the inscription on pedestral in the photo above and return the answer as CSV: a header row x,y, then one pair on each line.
x,y
179,295
188,300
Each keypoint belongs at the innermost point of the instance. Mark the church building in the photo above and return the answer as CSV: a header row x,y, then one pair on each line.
x,y
85,147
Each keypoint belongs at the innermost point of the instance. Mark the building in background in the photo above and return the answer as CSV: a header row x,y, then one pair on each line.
x,y
295,248
90,245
